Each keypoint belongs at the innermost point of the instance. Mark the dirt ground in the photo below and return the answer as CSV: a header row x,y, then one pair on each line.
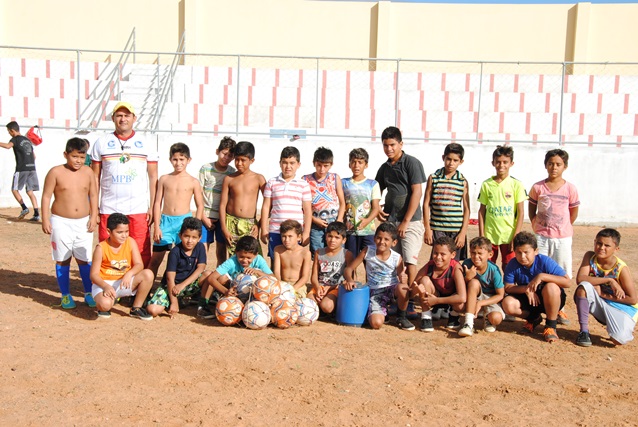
x,y
62,367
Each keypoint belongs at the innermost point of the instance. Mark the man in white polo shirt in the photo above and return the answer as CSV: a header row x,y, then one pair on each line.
x,y
125,166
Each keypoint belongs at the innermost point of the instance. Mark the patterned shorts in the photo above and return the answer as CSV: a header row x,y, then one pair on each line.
x,y
380,299
160,297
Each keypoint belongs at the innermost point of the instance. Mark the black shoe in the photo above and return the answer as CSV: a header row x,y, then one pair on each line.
x,y
140,313
404,324
426,325
103,314
453,323
583,339
204,312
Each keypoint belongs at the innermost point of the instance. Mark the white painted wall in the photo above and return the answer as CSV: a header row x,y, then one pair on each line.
x,y
604,176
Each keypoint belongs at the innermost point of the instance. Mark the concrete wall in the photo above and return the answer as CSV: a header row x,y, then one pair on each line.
x,y
596,171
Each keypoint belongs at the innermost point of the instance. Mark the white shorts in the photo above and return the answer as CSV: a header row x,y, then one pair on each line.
x,y
560,250
119,293
492,307
620,326
70,238
410,246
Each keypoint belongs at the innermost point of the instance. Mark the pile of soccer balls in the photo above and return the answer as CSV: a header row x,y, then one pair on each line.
x,y
262,300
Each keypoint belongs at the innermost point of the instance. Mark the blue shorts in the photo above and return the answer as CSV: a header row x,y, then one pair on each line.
x,y
274,240
213,234
170,226
355,244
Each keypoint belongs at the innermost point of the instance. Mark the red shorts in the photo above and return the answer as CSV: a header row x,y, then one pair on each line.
x,y
138,230
506,254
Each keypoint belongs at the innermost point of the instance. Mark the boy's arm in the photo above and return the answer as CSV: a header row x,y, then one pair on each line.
x,y
276,263
97,170
96,279
494,299
481,219
138,264
172,290
520,213
625,293
573,214
223,202
531,210
45,203
561,281
6,145
460,238
265,219
413,205
190,279
348,273
427,237
151,169
314,277
342,200
93,203
374,212
460,296
583,272
218,282
304,274
307,221
157,210
198,194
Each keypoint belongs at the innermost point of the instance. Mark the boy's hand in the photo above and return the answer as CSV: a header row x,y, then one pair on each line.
x,y
428,237
264,238
320,293
469,273
46,226
173,309
157,234
479,306
254,231
460,240
429,299
349,285
176,290
319,222
92,224
382,216
532,286
127,280
402,228
208,223
403,277
228,236
108,291
619,292
533,299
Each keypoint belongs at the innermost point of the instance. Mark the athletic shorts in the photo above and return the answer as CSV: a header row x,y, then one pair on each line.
x,y
119,292
492,308
170,227
410,246
355,244
560,250
25,178
160,297
138,231
69,238
380,299
619,324
536,311
461,254
330,290
238,227
213,234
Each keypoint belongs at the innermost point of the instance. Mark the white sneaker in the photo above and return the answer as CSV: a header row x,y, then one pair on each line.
x,y
488,327
466,331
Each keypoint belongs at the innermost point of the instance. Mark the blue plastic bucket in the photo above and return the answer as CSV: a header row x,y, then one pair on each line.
x,y
352,306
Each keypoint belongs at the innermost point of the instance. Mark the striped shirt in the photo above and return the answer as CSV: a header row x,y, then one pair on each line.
x,y
287,198
446,202
211,180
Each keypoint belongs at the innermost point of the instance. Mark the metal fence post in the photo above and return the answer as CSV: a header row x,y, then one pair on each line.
x,y
480,95
77,64
237,106
562,96
396,95
317,100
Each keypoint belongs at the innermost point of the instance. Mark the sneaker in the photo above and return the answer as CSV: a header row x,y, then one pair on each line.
x,y
530,326
562,318
550,335
393,309
404,324
35,218
466,331
445,314
412,313
583,339
426,325
204,312
509,318
437,311
140,313
88,300
103,314
67,302
488,327
453,323
23,213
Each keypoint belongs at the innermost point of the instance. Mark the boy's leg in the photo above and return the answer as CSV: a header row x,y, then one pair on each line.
x,y
329,301
220,242
274,239
402,294
140,232
157,258
142,284
473,292
552,298
410,246
102,303
159,302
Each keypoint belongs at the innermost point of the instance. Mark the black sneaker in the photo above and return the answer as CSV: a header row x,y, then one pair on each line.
x,y
453,323
426,325
204,312
583,339
103,314
140,313
404,324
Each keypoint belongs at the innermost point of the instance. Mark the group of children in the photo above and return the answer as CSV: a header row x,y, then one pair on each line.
x,y
336,218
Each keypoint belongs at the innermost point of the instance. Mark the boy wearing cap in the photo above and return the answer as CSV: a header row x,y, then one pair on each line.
x,y
125,166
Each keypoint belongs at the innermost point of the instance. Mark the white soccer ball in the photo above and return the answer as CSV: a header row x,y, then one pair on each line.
x,y
307,310
256,315
288,293
243,283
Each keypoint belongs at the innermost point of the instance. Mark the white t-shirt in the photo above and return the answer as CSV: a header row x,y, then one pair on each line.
x,y
124,180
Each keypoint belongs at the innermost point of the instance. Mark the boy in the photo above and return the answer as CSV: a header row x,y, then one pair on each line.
x,y
606,290
484,287
501,211
446,205
246,260
292,261
285,197
184,270
117,270
328,204
175,190
240,190
362,203
385,273
553,208
403,176
534,284
71,219
25,174
211,177
328,267
440,281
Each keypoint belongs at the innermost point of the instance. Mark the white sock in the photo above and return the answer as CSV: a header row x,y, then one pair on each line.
x,y
426,314
469,319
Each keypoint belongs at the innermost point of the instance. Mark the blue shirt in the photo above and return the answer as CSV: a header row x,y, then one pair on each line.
x,y
184,265
520,275
232,267
491,280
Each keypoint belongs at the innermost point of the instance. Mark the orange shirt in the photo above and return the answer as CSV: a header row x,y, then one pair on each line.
x,y
115,265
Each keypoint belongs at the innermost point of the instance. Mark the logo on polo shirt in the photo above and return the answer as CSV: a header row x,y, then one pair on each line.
x,y
111,144
139,144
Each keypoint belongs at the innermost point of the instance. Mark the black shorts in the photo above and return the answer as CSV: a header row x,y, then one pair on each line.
x,y
535,312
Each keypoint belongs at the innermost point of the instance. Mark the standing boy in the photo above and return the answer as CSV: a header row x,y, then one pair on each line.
x,y
240,191
173,203
71,219
362,197
211,177
501,211
446,205
25,174
327,197
292,262
403,176
285,197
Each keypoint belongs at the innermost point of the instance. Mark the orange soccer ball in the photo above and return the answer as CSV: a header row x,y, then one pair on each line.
x,y
266,288
284,313
228,310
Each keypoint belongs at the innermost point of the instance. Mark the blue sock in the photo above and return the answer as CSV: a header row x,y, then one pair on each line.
x,y
85,274
62,274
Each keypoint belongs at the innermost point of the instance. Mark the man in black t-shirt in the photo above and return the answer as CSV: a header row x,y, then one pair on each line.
x,y
25,174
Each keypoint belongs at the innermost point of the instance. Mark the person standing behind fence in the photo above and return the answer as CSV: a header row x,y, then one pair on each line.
x,y
125,167
25,174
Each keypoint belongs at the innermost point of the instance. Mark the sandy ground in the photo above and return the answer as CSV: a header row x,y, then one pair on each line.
x,y
62,367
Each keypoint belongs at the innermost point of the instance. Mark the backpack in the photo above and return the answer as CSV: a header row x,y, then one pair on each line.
x,y
34,135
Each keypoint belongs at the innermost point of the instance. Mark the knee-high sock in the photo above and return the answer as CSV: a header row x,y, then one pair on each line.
x,y
85,274
62,274
582,305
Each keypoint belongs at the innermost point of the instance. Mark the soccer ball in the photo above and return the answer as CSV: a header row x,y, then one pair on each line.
x,y
256,315
308,311
284,313
228,310
266,288
288,292
244,285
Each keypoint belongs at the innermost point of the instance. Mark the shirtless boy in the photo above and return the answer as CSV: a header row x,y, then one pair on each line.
x,y
292,262
175,190
238,205
72,218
